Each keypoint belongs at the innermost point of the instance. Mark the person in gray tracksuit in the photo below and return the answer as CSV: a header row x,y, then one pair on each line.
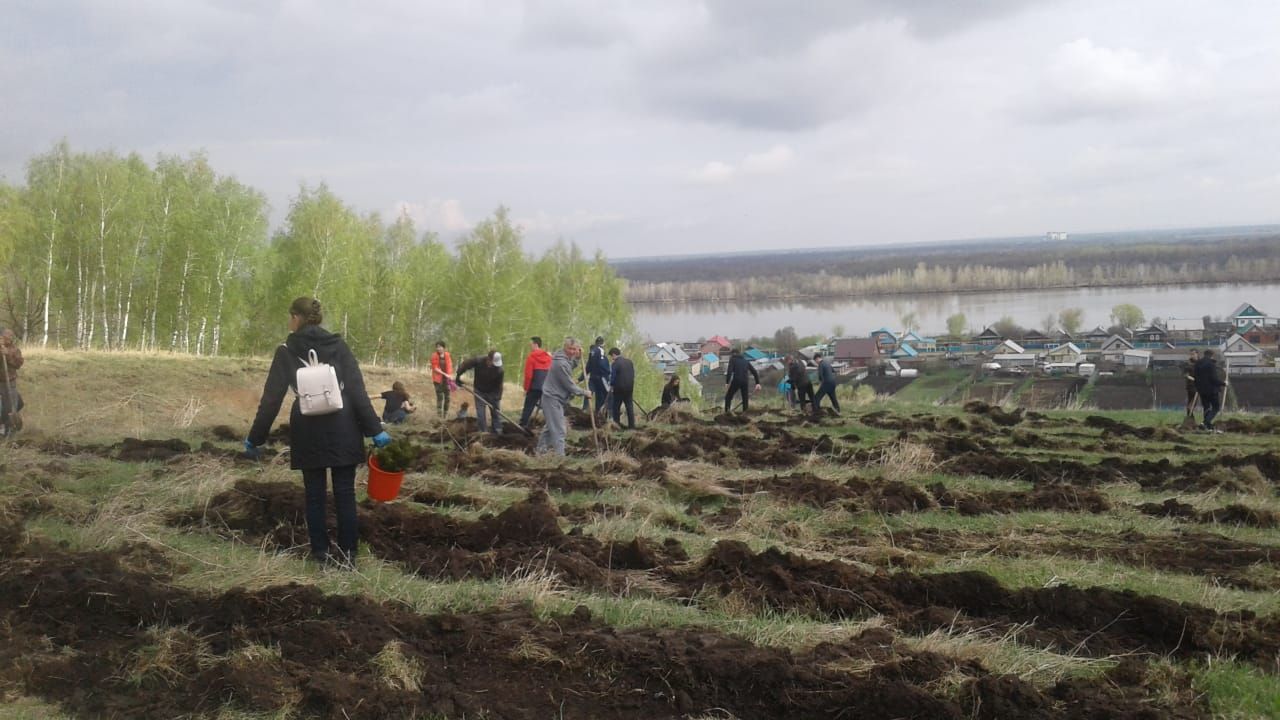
x,y
557,390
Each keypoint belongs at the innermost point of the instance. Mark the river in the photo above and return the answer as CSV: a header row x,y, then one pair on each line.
x,y
859,316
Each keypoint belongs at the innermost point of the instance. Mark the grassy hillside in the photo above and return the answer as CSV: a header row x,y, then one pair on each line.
x,y
100,396
904,560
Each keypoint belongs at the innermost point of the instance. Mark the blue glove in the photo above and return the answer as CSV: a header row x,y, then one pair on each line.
x,y
382,439
251,451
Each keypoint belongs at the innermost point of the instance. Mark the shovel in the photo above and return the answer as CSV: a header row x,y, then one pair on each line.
x,y
505,419
1189,422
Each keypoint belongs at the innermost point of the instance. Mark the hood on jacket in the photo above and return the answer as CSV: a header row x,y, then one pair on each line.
x,y
313,337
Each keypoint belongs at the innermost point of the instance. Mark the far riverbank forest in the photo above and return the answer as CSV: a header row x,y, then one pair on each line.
x,y
107,251
1233,255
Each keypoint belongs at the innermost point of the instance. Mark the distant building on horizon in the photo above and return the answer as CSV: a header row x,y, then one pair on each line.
x,y
1055,236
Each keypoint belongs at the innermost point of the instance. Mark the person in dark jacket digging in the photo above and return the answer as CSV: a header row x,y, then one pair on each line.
x,y
735,378
488,374
671,392
321,445
1211,382
622,380
556,393
597,371
826,385
536,366
801,385
1189,375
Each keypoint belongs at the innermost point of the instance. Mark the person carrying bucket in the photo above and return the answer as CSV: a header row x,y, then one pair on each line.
x,y
325,444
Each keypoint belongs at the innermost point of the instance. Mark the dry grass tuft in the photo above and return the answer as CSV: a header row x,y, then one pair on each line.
x,y
397,670
904,460
617,461
173,656
698,479
1003,653
535,652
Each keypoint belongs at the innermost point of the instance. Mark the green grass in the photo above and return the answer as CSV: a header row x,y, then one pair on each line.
x,y
1238,692
94,503
931,387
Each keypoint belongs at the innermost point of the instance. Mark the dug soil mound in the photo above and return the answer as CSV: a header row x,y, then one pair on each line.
x,y
524,536
995,413
890,498
800,488
1064,498
1244,565
336,656
1151,474
1093,621
1234,514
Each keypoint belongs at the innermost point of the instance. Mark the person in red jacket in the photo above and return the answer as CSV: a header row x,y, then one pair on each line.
x,y
536,366
441,374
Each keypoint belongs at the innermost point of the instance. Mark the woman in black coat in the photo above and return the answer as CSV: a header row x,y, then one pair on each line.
x,y
321,444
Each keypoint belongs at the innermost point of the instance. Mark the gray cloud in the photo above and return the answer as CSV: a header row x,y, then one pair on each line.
x,y
647,127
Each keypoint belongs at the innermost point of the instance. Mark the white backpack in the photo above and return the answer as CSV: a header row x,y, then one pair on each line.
x,y
318,389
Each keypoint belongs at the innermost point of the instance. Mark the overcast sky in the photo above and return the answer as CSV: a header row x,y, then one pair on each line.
x,y
674,126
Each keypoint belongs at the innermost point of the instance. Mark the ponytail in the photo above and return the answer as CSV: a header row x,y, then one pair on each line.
x,y
308,310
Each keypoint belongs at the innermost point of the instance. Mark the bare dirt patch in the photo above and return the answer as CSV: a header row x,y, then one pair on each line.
x,y
1059,497
1091,620
326,656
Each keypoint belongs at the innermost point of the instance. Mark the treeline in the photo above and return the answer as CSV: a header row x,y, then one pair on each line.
x,y
950,278
108,251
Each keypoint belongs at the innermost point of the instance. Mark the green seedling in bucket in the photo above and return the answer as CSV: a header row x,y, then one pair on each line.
x,y
386,469
397,456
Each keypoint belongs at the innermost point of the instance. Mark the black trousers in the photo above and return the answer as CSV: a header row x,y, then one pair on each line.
x,y
827,390
344,500
1212,403
531,400
804,395
620,398
442,398
740,388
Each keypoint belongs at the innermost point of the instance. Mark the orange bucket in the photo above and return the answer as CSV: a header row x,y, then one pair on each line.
x,y
383,485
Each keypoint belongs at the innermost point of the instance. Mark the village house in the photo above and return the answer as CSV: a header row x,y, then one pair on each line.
x,y
858,352
1238,352
988,338
666,357
1216,332
708,363
1062,338
1247,315
715,345
885,339
1012,360
1095,338
1034,339
1068,353
1184,330
1009,347
920,343
1113,349
1261,337
905,352
1153,335
1136,359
